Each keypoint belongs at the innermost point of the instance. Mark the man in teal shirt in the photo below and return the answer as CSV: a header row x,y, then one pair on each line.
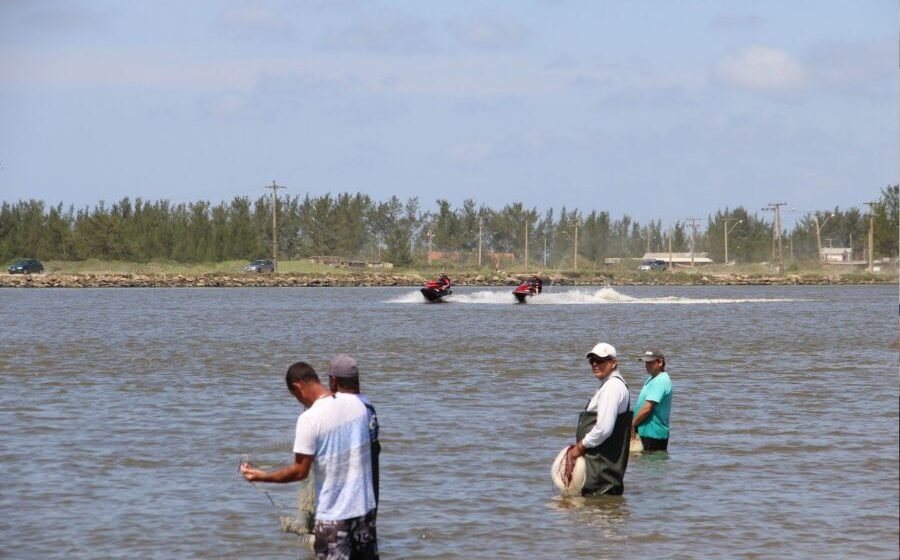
x,y
651,412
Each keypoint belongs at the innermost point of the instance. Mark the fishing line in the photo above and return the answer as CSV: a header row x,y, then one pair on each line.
x,y
277,445
297,520
279,507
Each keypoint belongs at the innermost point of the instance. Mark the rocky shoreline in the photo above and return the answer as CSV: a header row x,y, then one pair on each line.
x,y
386,279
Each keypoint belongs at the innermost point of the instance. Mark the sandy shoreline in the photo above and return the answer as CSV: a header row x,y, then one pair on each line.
x,y
111,280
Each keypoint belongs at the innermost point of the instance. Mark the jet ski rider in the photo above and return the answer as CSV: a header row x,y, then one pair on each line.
x,y
535,284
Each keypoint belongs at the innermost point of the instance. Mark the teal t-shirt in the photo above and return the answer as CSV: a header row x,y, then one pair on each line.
x,y
659,390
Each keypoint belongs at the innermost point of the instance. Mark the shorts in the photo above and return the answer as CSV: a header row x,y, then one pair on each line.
x,y
347,539
653,444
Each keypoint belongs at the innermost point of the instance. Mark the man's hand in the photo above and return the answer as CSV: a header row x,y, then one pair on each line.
x,y
568,467
295,472
575,451
250,473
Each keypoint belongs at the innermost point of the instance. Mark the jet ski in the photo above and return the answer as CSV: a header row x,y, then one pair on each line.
x,y
434,291
524,290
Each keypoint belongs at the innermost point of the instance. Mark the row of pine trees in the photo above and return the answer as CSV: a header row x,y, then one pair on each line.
x,y
355,226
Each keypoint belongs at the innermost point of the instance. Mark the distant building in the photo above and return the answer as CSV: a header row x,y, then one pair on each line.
x,y
343,262
836,254
497,260
330,260
679,259
445,256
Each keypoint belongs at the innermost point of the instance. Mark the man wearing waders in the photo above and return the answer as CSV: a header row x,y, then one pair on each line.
x,y
604,427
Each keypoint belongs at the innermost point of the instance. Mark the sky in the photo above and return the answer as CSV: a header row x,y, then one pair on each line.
x,y
655,109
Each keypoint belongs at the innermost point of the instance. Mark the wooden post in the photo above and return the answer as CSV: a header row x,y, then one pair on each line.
x,y
274,186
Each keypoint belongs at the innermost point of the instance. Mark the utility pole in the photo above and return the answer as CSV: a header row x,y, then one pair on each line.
x,y
819,231
575,255
727,231
776,232
768,209
479,241
274,186
526,242
693,236
670,248
871,206
430,235
545,247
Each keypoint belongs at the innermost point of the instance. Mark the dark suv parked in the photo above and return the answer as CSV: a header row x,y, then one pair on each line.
x,y
652,264
26,266
260,266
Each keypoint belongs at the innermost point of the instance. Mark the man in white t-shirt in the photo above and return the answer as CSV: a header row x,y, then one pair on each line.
x,y
332,437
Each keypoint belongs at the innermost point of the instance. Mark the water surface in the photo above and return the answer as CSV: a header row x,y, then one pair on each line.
x,y
125,412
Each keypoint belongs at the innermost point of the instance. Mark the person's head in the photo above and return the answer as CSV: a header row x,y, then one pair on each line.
x,y
343,374
602,358
303,382
654,361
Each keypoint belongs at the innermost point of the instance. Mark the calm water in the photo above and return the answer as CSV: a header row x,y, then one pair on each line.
x,y
125,412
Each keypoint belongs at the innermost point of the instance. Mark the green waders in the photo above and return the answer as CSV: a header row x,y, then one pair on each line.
x,y
605,464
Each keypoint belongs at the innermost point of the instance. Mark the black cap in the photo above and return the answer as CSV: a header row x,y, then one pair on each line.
x,y
343,365
651,355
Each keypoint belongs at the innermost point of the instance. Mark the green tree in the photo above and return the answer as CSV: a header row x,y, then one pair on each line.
x,y
887,222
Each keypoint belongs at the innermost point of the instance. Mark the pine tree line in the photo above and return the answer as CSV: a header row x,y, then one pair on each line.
x,y
355,226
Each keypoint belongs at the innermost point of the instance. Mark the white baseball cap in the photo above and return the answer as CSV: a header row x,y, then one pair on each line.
x,y
602,350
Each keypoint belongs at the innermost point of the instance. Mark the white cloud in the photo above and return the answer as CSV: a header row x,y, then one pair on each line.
x,y
762,69
471,152
855,66
255,21
484,103
491,34
561,62
650,97
65,17
228,106
388,31
732,21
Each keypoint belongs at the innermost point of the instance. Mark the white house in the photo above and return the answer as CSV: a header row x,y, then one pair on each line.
x,y
679,259
836,254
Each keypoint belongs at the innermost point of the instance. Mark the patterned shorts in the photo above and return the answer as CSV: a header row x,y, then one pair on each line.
x,y
347,539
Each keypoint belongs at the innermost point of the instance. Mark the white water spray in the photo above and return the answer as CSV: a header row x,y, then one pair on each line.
x,y
574,296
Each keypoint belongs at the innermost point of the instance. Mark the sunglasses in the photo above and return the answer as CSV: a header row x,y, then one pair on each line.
x,y
600,360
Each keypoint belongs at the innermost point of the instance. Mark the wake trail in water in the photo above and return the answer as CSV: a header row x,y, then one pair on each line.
x,y
577,296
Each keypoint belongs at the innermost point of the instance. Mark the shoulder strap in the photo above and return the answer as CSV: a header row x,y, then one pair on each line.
x,y
627,392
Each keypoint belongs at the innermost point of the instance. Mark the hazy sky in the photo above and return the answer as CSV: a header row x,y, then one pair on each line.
x,y
657,109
